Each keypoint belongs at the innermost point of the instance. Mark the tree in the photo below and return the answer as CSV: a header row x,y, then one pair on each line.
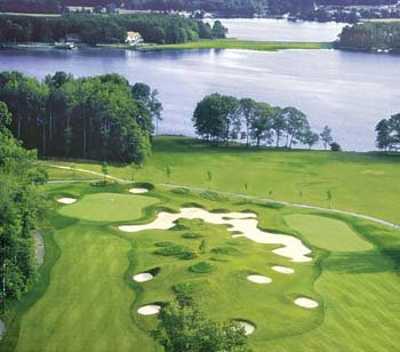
x,y
310,138
329,197
216,117
261,124
279,124
149,98
296,125
335,147
209,176
168,172
247,109
383,138
203,247
182,327
326,136
22,206
218,30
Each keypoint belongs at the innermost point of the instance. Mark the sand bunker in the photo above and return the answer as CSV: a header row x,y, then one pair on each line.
x,y
150,309
143,277
138,190
305,302
66,200
243,223
2,329
248,328
283,269
259,279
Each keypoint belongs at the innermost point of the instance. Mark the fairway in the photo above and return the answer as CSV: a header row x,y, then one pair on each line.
x,y
108,207
327,233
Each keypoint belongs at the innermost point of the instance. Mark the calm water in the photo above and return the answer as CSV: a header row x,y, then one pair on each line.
x,y
348,91
281,30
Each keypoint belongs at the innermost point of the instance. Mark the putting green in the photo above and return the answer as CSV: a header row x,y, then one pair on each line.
x,y
108,207
326,233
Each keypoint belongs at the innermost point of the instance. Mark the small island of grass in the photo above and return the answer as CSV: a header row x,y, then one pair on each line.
x,y
239,44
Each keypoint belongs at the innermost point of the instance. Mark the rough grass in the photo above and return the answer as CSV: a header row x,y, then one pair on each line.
x,y
239,44
361,182
327,233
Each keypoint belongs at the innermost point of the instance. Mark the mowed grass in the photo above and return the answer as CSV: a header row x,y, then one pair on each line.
x,y
239,44
87,306
91,301
362,182
327,233
108,207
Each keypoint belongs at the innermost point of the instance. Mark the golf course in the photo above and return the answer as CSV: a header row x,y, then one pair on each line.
x,y
302,248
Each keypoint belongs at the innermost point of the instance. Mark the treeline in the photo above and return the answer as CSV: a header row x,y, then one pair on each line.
x,y
388,133
371,36
101,118
93,29
227,8
221,119
21,209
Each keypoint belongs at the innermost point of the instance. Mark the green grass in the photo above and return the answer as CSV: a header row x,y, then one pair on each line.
x,y
239,44
89,301
108,207
362,182
326,233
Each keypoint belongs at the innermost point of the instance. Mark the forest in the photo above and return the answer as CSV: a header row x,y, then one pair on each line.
x,y
371,36
94,29
22,207
234,8
102,117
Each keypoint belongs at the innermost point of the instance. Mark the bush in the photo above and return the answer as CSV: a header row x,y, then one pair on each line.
x,y
226,250
335,147
191,236
187,255
202,268
165,244
170,251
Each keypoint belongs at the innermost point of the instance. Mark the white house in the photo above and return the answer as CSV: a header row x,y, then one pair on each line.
x,y
133,38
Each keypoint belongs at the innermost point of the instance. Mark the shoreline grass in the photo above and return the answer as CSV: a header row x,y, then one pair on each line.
x,y
239,44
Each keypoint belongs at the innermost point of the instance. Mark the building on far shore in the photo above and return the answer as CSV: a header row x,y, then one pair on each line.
x,y
80,9
133,38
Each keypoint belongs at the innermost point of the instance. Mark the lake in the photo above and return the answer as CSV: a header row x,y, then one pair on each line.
x,y
348,91
268,29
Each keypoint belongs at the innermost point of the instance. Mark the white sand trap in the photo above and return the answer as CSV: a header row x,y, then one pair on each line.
x,y
248,328
237,236
66,200
240,223
150,309
143,277
283,269
259,279
305,302
2,329
138,190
